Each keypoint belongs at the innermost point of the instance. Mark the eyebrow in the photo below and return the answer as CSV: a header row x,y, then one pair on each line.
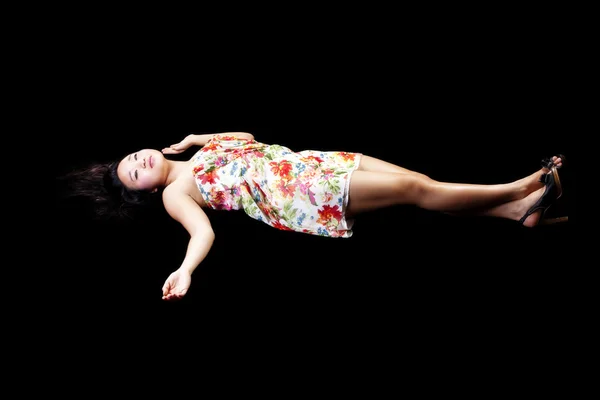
x,y
128,159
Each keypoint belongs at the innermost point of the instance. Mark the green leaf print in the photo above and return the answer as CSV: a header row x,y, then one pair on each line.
x,y
259,165
289,213
247,203
251,209
333,185
274,150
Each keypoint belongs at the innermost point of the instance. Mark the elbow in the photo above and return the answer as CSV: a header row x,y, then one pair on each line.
x,y
204,235
208,236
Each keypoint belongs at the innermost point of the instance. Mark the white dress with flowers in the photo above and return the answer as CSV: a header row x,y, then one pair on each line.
x,y
304,191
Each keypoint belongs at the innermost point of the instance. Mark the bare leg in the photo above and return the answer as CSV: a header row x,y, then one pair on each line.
x,y
372,164
378,184
514,210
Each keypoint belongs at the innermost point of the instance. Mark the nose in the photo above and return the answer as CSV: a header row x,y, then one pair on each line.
x,y
142,162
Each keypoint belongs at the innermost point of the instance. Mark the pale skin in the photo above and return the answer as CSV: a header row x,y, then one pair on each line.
x,y
375,184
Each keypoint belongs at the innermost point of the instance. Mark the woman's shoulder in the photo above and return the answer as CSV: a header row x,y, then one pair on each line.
x,y
184,185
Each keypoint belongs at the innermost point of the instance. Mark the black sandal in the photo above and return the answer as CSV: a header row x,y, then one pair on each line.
x,y
552,193
548,163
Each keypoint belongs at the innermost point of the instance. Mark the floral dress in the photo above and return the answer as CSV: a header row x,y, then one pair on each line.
x,y
304,191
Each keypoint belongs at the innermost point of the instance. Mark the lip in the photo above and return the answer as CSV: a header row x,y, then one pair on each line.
x,y
150,162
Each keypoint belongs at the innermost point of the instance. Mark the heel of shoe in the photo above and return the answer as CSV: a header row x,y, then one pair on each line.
x,y
557,182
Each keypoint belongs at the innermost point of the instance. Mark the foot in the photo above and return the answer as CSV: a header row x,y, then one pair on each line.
x,y
523,205
536,199
557,161
532,182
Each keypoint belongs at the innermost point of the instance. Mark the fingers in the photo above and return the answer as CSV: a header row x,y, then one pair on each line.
x,y
168,292
172,295
174,148
171,150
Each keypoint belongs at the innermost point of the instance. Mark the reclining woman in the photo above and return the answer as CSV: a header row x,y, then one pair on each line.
x,y
310,191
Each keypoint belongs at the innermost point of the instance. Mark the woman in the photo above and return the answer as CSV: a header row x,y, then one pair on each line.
x,y
313,192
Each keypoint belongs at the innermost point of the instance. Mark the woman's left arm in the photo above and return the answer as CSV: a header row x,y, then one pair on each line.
x,y
201,140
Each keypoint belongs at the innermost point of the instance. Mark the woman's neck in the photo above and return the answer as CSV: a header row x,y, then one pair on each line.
x,y
175,168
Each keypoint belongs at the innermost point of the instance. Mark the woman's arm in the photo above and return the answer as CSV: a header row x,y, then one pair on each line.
x,y
200,140
186,211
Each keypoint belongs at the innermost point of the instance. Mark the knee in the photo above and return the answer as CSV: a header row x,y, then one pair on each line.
x,y
424,177
413,186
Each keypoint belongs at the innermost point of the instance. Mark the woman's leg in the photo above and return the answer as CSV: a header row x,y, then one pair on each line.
x,y
372,164
377,184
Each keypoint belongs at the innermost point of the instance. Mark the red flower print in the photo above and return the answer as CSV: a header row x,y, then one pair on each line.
x,y
347,156
327,174
210,176
279,225
286,189
281,168
226,137
221,201
312,158
328,213
211,146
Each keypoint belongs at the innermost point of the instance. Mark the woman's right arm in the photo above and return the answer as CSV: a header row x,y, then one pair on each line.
x,y
186,211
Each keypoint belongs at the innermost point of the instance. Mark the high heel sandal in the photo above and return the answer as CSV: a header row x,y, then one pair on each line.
x,y
552,193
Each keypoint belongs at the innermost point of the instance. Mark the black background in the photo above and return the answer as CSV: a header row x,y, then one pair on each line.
x,y
463,113
399,260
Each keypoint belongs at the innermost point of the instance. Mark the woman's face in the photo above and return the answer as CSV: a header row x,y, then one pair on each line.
x,y
142,170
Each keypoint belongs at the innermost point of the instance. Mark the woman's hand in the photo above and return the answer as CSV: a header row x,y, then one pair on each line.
x,y
176,285
181,146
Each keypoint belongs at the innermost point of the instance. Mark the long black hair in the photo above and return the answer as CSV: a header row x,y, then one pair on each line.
x,y
99,186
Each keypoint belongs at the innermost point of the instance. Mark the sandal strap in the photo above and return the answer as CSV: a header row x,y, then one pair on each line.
x,y
547,163
547,199
544,178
